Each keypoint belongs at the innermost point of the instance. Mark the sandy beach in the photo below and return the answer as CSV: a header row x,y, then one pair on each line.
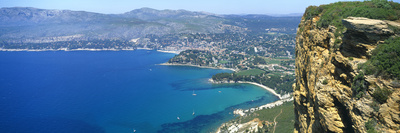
x,y
253,83
145,48
262,86
167,51
282,98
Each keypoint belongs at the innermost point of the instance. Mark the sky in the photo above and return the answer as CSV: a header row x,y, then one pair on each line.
x,y
211,6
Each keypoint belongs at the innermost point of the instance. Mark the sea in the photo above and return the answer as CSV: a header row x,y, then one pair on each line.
x,y
114,92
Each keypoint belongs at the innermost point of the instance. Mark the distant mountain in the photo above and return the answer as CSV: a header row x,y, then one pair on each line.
x,y
28,16
26,24
149,14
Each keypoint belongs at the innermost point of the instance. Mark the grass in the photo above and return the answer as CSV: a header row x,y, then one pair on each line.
x,y
285,120
250,72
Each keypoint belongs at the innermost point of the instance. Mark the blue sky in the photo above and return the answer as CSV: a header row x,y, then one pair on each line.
x,y
212,6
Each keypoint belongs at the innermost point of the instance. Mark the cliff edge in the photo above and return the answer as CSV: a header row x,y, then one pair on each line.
x,y
335,91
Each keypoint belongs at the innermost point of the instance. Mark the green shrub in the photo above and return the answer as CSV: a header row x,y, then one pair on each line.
x,y
370,126
325,82
394,29
351,58
368,68
359,85
381,95
385,59
312,11
338,41
297,88
375,106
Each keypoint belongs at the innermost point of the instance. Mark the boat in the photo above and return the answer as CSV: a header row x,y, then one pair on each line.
x,y
178,118
193,113
194,94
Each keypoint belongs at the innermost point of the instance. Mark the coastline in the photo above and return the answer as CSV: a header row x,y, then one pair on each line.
x,y
262,86
244,112
286,98
87,49
169,51
253,83
172,64
65,49
255,123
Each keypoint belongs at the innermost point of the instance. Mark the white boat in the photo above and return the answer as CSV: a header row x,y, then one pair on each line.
x,y
178,118
194,94
193,113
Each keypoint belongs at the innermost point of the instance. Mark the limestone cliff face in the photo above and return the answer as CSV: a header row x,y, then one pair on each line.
x,y
325,68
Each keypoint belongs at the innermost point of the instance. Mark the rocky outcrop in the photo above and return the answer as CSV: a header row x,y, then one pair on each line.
x,y
325,68
369,26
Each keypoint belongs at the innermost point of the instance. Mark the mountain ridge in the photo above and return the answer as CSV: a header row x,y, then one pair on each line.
x,y
28,24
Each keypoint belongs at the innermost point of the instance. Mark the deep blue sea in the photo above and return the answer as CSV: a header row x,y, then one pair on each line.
x,y
114,92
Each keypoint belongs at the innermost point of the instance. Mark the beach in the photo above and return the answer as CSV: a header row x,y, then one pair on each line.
x,y
262,86
168,51
242,112
253,83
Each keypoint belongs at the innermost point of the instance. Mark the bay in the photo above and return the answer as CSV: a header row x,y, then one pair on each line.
x,y
114,91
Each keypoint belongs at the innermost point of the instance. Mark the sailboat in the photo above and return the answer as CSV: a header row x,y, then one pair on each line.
x,y
193,112
194,94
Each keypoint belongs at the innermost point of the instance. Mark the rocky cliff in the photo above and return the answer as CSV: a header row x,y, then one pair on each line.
x,y
328,72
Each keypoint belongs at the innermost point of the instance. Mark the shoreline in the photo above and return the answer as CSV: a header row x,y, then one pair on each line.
x,y
171,64
86,49
64,49
169,51
253,83
248,111
243,112
262,86
233,126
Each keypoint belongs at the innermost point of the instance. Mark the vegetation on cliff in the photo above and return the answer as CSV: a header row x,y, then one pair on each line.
x,y
333,14
385,60
359,85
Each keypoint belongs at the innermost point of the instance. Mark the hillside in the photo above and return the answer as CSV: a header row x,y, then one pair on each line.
x,y
347,68
32,25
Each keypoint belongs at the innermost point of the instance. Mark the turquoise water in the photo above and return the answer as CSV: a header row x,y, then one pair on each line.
x,y
114,91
